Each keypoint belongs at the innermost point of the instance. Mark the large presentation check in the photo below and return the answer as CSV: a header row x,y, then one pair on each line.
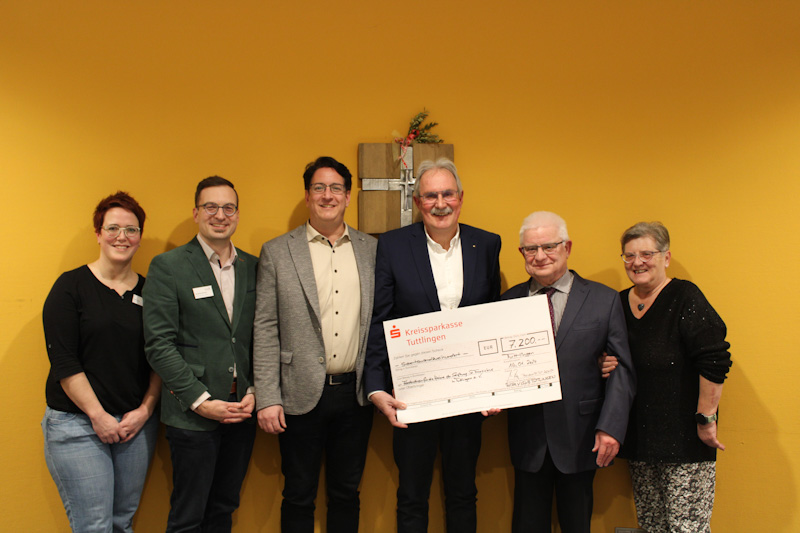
x,y
474,358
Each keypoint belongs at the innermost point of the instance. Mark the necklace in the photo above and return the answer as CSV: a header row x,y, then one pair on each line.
x,y
652,294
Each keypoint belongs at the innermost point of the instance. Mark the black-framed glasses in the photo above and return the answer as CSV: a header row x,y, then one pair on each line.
x,y
228,209
448,196
644,256
319,188
548,248
130,231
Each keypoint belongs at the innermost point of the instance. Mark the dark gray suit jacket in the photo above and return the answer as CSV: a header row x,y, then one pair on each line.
x,y
593,322
288,349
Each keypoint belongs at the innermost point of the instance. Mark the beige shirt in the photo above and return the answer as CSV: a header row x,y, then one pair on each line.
x,y
339,292
448,270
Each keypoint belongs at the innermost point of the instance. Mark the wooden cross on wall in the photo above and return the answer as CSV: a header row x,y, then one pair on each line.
x,y
388,174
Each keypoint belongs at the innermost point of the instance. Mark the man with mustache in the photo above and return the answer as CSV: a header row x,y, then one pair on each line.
x,y
422,268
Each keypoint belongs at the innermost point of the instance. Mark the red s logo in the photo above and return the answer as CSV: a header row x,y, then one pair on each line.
x,y
394,332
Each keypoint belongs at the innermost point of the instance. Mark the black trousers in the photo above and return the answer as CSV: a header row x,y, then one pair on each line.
x,y
208,468
533,500
337,428
415,450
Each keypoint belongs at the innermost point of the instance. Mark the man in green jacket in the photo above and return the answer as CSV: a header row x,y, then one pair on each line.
x,y
199,304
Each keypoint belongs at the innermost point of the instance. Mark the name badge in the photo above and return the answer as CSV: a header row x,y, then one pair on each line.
x,y
138,300
203,292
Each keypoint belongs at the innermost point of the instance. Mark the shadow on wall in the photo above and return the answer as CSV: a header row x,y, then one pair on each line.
x,y
740,466
154,507
83,244
261,234
261,491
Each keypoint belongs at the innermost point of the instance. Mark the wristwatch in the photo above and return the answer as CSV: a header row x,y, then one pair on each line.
x,y
702,419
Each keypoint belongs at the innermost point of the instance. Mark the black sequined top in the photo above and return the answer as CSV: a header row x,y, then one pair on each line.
x,y
678,339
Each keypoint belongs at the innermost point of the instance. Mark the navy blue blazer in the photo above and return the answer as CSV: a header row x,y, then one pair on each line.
x,y
593,322
404,286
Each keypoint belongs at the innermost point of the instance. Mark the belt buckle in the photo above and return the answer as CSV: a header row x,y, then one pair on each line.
x,y
334,379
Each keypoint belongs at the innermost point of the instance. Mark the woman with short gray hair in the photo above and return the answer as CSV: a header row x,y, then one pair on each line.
x,y
681,357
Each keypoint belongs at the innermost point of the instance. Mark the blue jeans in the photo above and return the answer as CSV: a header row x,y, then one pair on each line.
x,y
100,484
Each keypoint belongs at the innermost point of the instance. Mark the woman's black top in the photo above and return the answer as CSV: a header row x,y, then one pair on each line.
x,y
90,328
677,340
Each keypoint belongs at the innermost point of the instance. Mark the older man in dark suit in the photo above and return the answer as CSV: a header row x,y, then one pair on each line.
x,y
314,305
199,304
559,445
436,265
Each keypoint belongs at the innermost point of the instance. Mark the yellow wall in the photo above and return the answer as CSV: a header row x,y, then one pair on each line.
x,y
605,112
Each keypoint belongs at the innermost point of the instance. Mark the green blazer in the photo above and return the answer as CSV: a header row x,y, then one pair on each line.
x,y
189,340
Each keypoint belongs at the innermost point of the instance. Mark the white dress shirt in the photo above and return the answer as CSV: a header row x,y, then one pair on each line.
x,y
448,270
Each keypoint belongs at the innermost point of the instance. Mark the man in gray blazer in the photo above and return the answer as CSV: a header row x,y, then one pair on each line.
x,y
313,309
199,303
558,446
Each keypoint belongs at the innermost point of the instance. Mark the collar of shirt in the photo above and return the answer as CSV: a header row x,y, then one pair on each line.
x,y
448,270
563,284
437,248
225,274
213,257
313,235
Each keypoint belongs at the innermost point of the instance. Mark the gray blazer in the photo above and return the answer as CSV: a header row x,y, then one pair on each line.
x,y
288,350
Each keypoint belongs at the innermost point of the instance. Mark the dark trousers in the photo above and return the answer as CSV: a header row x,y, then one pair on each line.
x,y
208,468
533,500
338,428
415,449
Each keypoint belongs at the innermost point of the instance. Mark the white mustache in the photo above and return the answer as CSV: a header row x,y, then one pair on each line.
x,y
443,211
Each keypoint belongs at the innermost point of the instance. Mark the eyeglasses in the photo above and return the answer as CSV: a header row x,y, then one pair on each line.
x,y
319,188
130,231
548,248
431,197
643,256
228,209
